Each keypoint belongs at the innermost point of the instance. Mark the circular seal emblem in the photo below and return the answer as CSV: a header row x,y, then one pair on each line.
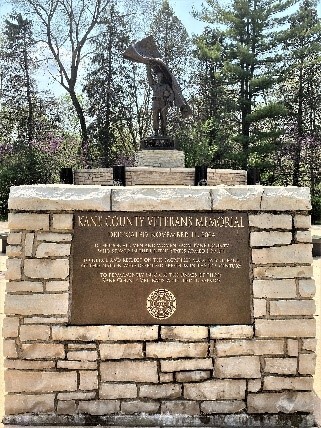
x,y
161,303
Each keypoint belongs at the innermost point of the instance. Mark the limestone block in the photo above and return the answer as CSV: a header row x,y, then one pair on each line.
x,y
66,407
231,332
184,333
302,221
14,238
285,198
99,407
279,272
45,351
78,395
292,307
307,287
57,319
160,391
14,251
104,333
59,197
241,198
259,308
42,268
39,381
160,159
307,364
176,350
137,406
238,367
129,371
285,402
254,385
270,221
28,221
13,269
274,289
29,241
54,237
269,239
54,286
249,347
28,364
24,287
309,345
295,254
293,347
166,199
183,365
276,383
34,332
88,380
9,348
62,222
50,249
15,404
112,391
116,351
285,328
281,365
228,406
34,304
166,377
177,407
192,376
303,236
10,327
216,389
82,355
77,365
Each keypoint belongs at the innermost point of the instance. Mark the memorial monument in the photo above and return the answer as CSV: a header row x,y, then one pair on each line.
x,y
159,303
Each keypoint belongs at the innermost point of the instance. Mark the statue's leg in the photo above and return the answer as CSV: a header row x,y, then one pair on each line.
x,y
163,118
156,121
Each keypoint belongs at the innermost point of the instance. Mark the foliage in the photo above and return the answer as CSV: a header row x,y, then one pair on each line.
x,y
33,162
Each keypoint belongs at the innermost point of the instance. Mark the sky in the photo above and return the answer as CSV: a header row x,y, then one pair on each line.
x,y
182,9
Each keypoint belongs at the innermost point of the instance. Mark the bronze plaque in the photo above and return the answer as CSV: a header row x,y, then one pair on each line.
x,y
161,268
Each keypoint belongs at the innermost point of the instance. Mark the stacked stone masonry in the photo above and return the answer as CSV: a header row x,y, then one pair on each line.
x,y
136,176
53,368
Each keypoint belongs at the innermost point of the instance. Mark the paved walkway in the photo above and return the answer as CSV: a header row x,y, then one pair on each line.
x,y
317,377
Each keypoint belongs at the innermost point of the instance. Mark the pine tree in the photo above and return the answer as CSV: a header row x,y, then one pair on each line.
x,y
108,85
17,83
248,30
301,79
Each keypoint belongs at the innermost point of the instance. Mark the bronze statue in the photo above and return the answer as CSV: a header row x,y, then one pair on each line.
x,y
166,90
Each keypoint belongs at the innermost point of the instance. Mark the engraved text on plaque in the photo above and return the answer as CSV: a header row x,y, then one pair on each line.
x,y
160,268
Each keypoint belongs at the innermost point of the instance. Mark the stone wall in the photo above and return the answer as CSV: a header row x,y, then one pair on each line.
x,y
229,375
159,176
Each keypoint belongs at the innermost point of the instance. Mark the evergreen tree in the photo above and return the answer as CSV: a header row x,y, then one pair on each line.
x,y
17,82
108,87
248,29
301,80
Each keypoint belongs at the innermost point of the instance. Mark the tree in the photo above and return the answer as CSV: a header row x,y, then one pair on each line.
x,y
67,26
17,84
107,85
301,78
248,29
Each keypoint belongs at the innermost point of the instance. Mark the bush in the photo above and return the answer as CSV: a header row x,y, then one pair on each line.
x,y
36,162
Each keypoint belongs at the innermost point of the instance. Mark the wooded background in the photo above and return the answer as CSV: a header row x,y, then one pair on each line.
x,y
252,79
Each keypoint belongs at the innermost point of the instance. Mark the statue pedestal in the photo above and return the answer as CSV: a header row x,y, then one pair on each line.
x,y
160,158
